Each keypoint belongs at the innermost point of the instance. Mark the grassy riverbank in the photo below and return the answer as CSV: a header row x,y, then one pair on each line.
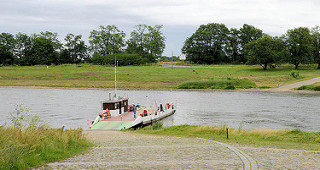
x,y
285,139
149,77
25,148
314,87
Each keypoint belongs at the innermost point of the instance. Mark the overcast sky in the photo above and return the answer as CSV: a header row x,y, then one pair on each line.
x,y
180,18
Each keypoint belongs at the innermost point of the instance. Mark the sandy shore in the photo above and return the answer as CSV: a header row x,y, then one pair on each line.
x,y
130,150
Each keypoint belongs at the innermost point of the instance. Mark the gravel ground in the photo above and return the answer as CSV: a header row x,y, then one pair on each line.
x,y
130,150
268,158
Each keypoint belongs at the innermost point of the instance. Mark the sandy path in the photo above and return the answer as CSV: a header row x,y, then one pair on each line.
x,y
289,87
130,150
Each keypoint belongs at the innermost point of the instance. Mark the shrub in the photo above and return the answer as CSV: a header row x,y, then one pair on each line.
x,y
314,87
294,74
317,88
230,87
218,84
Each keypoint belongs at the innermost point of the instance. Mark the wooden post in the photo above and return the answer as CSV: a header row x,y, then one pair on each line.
x,y
227,133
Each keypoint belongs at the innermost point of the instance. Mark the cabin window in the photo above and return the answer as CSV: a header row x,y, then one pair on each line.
x,y
110,106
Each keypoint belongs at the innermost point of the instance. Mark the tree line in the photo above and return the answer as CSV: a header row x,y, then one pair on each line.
x,y
215,43
145,44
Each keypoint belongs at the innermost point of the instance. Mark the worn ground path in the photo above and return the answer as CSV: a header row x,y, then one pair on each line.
x,y
290,87
131,150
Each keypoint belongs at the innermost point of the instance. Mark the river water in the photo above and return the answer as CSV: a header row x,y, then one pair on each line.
x,y
76,108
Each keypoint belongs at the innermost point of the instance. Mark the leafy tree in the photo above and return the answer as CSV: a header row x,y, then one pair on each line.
x,y
265,51
23,47
138,40
52,37
36,49
75,49
300,44
156,40
233,45
247,34
147,41
207,44
107,40
7,47
42,52
316,44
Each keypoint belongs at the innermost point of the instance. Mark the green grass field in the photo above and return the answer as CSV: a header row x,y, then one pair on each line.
x,y
147,77
285,139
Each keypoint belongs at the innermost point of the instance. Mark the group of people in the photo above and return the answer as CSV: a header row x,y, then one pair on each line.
x,y
107,113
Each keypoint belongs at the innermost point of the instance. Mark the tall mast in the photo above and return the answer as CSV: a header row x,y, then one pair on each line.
x,y
115,76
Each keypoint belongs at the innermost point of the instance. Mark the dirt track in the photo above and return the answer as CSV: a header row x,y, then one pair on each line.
x,y
130,150
290,87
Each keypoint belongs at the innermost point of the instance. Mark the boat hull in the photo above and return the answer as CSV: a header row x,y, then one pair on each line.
x,y
127,120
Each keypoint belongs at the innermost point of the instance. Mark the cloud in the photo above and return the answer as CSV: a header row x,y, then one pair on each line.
x,y
180,17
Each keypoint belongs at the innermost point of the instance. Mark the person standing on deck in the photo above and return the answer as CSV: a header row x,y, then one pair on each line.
x,y
134,108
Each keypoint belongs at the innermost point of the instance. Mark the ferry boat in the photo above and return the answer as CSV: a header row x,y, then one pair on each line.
x,y
116,113
121,115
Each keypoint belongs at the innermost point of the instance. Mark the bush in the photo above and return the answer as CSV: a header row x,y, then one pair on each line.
x,y
264,87
294,74
302,88
317,88
230,87
218,84
310,87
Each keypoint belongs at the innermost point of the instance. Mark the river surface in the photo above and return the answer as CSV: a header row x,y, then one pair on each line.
x,y
76,108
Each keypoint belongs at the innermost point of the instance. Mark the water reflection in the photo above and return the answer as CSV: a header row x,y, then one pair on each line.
x,y
75,108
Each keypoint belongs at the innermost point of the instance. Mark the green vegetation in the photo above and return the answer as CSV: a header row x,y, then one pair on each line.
x,y
215,43
218,84
25,148
286,139
146,42
147,77
266,51
212,43
315,87
29,143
